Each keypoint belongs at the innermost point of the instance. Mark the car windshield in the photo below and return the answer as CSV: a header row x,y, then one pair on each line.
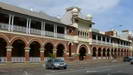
x,y
58,60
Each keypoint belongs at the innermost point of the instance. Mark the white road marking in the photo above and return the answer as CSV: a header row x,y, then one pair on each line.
x,y
26,73
90,71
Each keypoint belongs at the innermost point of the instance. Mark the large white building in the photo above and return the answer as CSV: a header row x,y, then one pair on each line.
x,y
29,36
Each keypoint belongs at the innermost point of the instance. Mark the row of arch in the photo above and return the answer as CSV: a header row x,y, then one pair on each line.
x,y
27,41
103,52
18,48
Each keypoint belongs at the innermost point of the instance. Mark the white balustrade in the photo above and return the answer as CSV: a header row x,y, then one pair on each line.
x,y
18,59
19,28
4,26
3,59
48,33
35,31
35,59
60,35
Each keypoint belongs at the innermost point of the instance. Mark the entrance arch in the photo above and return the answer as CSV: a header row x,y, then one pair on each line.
x,y
99,52
48,49
18,51
94,52
18,48
82,53
34,49
3,45
60,50
104,52
70,49
118,52
108,52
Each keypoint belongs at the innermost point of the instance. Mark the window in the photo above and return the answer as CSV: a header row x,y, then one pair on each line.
x,y
60,29
4,18
94,36
20,21
49,27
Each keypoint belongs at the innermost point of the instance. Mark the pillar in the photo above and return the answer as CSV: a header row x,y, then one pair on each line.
x,y
96,53
55,30
27,58
27,26
42,28
101,54
10,19
42,54
54,51
12,22
8,53
65,53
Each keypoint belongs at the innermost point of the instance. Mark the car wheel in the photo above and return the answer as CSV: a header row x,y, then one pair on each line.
x,y
65,67
52,68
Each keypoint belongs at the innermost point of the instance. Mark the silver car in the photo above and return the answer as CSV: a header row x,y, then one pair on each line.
x,y
55,64
131,61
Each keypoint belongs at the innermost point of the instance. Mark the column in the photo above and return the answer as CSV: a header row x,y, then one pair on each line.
x,y
101,39
96,37
55,30
96,53
54,52
27,58
42,54
106,54
65,32
65,53
43,28
12,22
9,53
101,54
109,57
10,19
27,26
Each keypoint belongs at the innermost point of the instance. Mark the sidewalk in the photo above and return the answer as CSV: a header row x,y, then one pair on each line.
x,y
74,64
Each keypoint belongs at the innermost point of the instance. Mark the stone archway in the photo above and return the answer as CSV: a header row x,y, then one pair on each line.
x,y
60,50
108,53
99,52
122,52
18,48
3,45
104,52
48,49
18,51
94,52
82,53
34,49
118,52
34,53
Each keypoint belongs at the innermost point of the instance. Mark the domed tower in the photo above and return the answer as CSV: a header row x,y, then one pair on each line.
x,y
89,17
70,15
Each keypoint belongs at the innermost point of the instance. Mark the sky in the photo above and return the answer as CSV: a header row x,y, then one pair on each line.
x,y
107,14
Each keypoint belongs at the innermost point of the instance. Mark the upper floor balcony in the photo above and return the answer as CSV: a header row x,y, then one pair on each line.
x,y
97,42
32,31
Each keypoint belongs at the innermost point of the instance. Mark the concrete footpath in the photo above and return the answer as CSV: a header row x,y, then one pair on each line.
x,y
75,64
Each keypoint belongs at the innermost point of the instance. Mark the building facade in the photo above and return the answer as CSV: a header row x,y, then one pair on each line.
x,y
29,36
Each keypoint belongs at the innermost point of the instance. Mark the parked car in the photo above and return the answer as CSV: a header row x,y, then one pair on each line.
x,y
127,59
131,61
55,64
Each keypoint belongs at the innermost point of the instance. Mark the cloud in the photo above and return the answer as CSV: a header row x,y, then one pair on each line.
x,y
56,7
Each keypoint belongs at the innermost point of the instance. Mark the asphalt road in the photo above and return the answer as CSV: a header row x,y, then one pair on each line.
x,y
115,69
